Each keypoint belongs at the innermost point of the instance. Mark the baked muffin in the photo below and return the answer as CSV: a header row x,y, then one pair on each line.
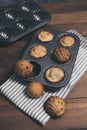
x,y
45,36
67,40
35,89
61,54
38,51
55,106
54,74
23,68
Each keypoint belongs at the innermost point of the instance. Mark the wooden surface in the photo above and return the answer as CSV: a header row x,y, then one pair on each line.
x,y
65,15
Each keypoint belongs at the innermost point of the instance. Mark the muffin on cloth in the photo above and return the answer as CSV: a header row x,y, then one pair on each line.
x,y
55,106
45,36
61,54
67,41
54,74
38,51
23,68
35,89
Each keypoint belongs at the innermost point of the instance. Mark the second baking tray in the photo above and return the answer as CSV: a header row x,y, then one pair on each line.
x,y
21,19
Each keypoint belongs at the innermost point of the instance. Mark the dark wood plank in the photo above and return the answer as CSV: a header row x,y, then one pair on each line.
x,y
61,7
73,118
80,89
80,27
76,114
70,17
9,55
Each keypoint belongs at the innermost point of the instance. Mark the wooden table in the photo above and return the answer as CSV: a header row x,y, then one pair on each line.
x,y
65,15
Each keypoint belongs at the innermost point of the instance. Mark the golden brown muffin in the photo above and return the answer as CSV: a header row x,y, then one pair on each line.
x,y
55,106
67,41
38,51
35,89
54,74
45,36
23,68
61,54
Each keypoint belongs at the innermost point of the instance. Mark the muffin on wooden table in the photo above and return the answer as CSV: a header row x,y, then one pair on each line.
x,y
55,106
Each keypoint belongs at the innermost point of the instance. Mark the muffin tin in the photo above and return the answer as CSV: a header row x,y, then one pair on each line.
x,y
21,19
41,64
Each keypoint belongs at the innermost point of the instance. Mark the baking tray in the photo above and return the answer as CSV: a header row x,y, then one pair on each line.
x,y
41,64
21,19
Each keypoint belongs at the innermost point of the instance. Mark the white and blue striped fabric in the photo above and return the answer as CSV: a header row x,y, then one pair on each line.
x,y
14,90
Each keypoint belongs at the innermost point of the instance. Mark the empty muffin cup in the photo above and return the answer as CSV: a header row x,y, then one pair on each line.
x,y
11,14
28,6
24,24
36,69
6,32
25,7
38,15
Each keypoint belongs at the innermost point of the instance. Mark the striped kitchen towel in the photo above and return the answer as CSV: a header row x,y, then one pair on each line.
x,y
14,90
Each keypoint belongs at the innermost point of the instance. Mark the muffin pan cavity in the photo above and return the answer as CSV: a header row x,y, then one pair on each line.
x,y
23,24
59,73
22,18
36,70
11,14
25,7
29,6
38,16
5,33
